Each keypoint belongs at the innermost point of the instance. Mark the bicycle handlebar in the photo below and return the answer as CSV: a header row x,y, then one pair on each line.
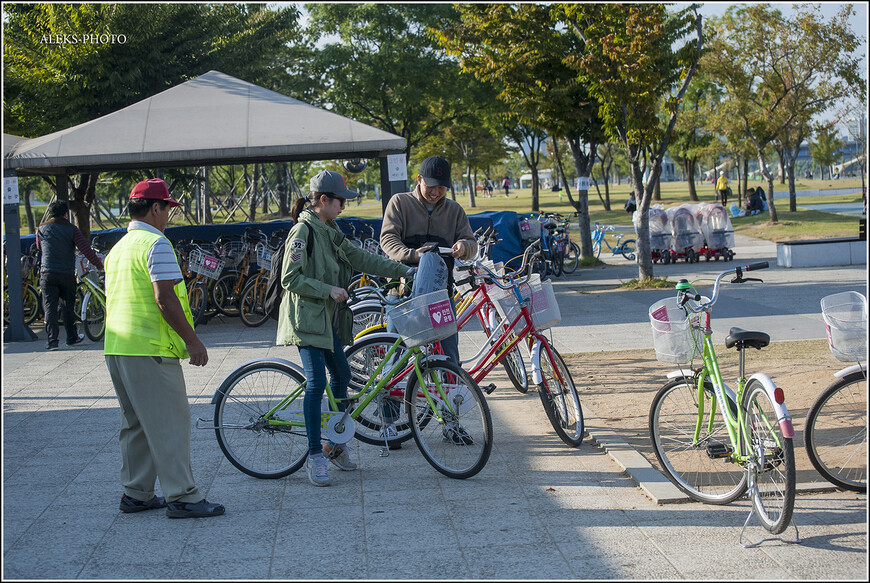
x,y
686,296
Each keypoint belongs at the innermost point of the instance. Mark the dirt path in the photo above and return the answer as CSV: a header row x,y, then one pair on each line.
x,y
618,387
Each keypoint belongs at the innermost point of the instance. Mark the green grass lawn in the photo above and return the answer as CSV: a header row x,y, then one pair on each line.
x,y
803,224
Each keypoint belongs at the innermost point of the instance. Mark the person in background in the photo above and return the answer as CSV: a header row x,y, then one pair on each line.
x,y
149,329
58,240
314,316
722,188
506,183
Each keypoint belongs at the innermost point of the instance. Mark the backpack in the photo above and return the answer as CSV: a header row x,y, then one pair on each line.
x,y
274,289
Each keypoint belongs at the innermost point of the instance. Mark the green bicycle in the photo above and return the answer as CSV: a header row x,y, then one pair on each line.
x,y
712,443
258,415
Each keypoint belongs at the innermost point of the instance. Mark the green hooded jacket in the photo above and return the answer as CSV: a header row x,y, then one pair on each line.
x,y
306,314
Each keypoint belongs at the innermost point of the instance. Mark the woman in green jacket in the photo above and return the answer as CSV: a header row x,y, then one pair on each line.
x,y
313,314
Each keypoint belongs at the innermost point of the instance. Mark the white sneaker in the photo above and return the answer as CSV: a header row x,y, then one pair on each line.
x,y
389,431
317,466
338,455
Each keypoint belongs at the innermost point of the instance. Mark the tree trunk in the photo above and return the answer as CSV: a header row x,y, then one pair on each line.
x,y
280,169
745,185
689,166
765,171
781,156
28,212
80,203
583,163
658,188
643,196
792,194
470,182
252,202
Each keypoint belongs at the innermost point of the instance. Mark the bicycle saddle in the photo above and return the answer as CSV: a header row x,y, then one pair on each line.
x,y
743,338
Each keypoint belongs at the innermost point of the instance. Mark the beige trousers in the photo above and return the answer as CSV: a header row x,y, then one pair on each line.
x,y
155,427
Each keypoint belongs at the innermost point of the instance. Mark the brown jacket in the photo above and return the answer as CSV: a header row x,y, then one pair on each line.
x,y
408,225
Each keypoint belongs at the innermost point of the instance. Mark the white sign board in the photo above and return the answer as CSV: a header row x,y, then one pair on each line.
x,y
582,183
397,168
10,190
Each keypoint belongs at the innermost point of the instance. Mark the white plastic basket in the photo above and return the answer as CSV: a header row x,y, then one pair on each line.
x,y
83,265
210,267
543,305
845,317
234,253
672,334
424,319
264,256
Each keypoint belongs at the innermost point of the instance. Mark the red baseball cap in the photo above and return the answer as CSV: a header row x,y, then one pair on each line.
x,y
153,188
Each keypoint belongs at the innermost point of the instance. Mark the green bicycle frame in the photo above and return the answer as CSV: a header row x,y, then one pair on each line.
x,y
369,391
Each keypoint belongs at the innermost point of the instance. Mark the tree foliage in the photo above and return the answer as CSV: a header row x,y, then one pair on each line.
x,y
633,72
383,69
779,72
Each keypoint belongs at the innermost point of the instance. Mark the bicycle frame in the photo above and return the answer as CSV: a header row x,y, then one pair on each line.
x,y
96,291
710,370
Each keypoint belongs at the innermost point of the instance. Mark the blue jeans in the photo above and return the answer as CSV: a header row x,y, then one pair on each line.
x,y
315,361
431,277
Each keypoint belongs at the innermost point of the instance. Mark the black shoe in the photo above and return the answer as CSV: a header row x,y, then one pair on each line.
x,y
51,346
78,339
456,434
200,509
129,504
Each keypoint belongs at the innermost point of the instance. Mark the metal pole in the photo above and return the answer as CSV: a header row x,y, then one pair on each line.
x,y
17,331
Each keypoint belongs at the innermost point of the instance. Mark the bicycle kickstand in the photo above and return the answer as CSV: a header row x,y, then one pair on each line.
x,y
797,537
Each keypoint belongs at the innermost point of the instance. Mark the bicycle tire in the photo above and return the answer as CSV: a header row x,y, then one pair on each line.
x,y
197,298
515,367
557,258
596,249
31,304
456,441
366,316
771,468
560,399
629,248
257,449
94,321
572,258
835,433
364,356
673,418
224,296
252,306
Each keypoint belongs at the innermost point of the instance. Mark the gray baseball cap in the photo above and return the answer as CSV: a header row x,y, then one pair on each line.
x,y
332,183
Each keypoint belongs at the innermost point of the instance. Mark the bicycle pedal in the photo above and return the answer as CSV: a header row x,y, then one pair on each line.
x,y
719,450
489,388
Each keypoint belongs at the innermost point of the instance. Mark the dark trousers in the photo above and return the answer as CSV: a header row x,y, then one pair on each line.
x,y
59,287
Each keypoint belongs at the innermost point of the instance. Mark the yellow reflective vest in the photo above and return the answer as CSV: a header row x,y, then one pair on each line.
x,y
134,324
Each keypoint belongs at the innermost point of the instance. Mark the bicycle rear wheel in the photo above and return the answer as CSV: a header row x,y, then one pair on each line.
x,y
559,397
673,419
836,432
364,356
572,258
557,258
197,297
456,437
771,468
247,440
629,247
94,320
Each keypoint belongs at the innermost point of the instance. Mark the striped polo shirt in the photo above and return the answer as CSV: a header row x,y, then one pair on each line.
x,y
162,262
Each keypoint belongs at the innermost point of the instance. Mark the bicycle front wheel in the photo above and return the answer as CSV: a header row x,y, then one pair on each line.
x,y
224,295
252,307
572,258
242,429
94,317
364,356
557,257
456,436
836,432
197,297
673,420
771,465
559,397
